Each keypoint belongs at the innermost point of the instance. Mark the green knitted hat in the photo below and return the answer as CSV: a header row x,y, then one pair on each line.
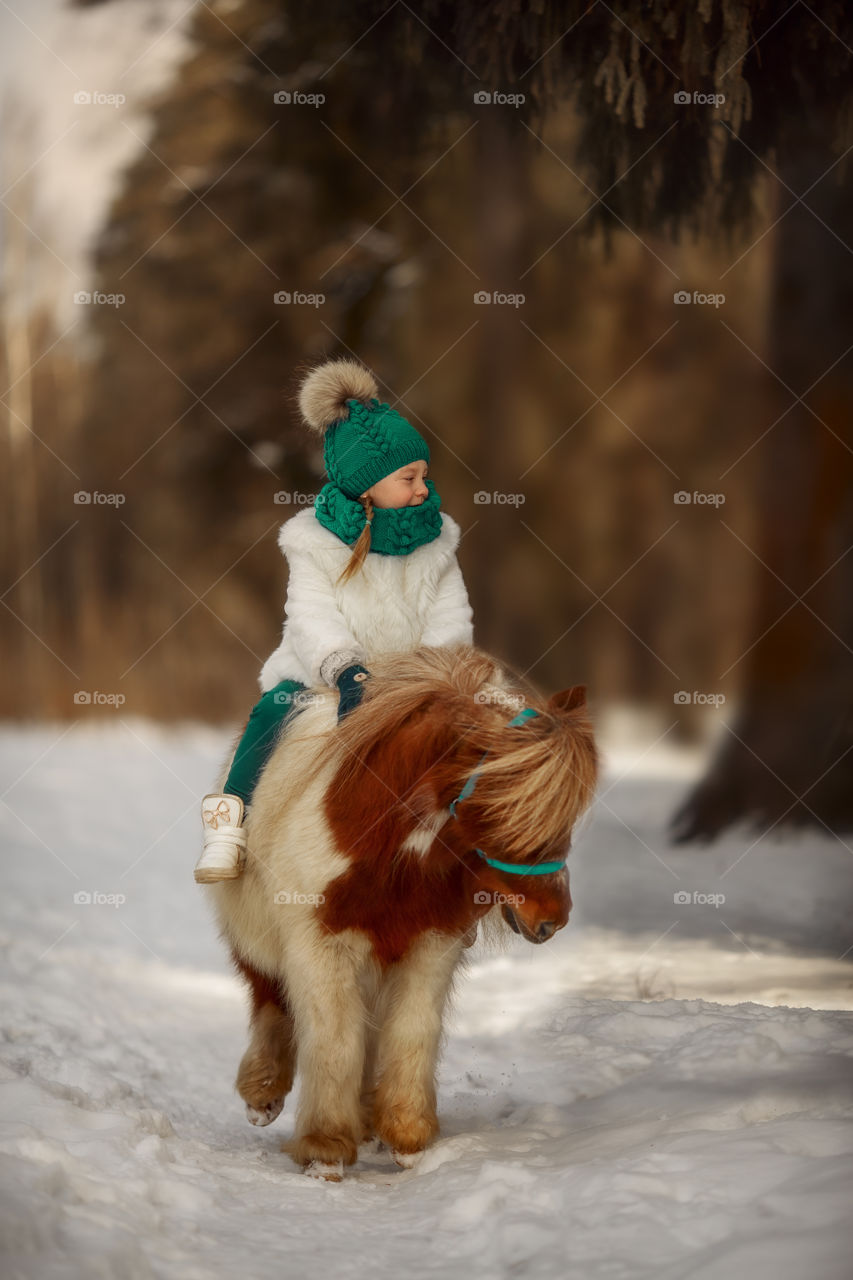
x,y
364,439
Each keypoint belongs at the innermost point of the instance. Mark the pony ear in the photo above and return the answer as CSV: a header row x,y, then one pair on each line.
x,y
568,699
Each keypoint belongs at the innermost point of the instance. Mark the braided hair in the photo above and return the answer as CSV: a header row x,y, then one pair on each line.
x,y
362,547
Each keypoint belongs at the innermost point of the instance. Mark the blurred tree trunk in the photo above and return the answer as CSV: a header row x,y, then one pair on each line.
x,y
500,202
789,757
26,595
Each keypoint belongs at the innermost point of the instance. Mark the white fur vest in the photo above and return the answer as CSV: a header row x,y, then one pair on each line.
x,y
392,603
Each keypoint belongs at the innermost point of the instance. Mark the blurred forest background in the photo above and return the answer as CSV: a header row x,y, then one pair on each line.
x,y
380,165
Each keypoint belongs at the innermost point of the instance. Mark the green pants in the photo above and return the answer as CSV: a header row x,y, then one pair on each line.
x,y
261,735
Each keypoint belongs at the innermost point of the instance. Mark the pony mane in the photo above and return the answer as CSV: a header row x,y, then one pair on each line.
x,y
538,776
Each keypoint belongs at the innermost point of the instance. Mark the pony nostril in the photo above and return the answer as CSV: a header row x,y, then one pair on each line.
x,y
546,930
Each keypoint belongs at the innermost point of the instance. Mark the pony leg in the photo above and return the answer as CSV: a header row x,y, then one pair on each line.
x,y
265,1075
325,992
415,995
371,993
368,1088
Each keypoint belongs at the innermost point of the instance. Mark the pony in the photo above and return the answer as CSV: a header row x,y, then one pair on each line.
x,y
375,845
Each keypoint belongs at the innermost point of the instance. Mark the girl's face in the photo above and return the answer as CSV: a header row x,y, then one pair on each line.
x,y
405,487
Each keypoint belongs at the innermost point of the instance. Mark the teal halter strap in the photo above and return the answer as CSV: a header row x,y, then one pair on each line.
x,y
525,868
514,868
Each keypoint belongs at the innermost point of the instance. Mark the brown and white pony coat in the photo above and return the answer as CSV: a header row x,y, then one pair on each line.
x,y
361,889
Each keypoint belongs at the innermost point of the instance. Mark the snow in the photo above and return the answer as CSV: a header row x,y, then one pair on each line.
x,y
664,1090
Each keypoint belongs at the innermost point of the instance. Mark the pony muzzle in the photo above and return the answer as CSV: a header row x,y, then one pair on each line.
x,y
538,921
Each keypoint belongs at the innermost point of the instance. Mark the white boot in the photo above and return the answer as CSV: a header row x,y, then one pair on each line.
x,y
224,839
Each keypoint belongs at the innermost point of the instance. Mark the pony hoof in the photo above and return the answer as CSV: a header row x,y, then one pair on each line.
x,y
266,1114
406,1159
326,1171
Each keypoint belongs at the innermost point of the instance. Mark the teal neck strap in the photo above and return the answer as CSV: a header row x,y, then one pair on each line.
x,y
513,868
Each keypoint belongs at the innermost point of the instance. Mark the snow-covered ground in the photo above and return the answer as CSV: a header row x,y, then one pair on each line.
x,y
637,1098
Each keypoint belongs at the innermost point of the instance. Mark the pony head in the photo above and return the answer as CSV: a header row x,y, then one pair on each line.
x,y
520,805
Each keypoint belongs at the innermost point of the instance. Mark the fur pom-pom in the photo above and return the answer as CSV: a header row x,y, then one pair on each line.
x,y
326,389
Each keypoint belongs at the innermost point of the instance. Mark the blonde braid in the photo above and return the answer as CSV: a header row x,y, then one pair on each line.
x,y
361,548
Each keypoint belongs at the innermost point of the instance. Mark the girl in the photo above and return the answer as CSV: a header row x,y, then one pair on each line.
x,y
372,569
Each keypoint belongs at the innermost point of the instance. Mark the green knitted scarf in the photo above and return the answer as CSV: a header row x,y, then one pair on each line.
x,y
394,531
